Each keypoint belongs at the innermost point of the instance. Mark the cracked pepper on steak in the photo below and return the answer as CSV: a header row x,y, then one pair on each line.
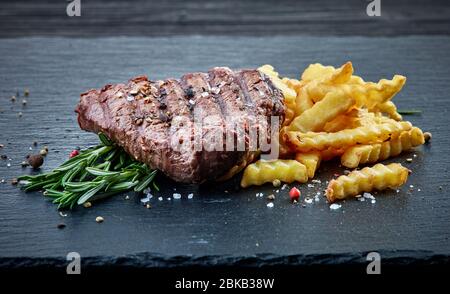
x,y
139,117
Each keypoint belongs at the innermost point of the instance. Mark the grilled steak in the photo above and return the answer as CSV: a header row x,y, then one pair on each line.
x,y
182,127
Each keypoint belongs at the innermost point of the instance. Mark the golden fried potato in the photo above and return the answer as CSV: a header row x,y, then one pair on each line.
x,y
313,119
378,177
311,160
389,109
354,156
331,153
304,142
328,74
285,170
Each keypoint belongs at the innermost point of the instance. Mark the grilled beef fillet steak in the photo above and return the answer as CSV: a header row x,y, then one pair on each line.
x,y
142,116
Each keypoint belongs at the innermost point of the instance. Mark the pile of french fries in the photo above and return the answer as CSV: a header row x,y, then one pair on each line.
x,y
330,112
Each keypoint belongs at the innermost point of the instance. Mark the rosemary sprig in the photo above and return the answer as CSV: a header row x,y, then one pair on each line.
x,y
409,111
95,173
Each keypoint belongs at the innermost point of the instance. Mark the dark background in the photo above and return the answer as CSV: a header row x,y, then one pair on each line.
x,y
58,57
236,17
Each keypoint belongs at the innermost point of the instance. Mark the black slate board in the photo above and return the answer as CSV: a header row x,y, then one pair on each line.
x,y
214,225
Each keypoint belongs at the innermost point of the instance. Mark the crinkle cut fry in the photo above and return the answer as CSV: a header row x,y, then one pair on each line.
x,y
311,160
285,170
304,142
357,155
379,177
390,109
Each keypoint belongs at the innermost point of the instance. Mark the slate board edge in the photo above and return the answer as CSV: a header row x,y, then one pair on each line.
x,y
151,260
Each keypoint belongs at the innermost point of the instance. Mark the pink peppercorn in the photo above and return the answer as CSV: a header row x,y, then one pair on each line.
x,y
73,153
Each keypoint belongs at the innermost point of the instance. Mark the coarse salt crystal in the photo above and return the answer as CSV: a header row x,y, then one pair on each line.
x,y
168,198
411,186
418,190
373,201
176,196
361,199
335,206
316,198
215,90
192,102
308,200
284,187
190,196
270,204
205,94
160,198
368,195
146,199
310,186
316,181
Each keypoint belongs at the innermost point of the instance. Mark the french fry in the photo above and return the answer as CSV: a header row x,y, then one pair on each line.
x,y
328,74
378,177
312,77
390,109
285,170
357,155
342,122
303,101
367,94
317,71
304,142
331,153
313,119
311,160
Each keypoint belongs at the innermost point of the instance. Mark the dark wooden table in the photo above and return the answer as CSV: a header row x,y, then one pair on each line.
x,y
222,224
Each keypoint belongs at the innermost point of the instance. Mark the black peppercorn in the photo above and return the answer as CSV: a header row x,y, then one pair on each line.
x,y
35,160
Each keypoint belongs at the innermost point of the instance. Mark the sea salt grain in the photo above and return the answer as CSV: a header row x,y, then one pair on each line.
x,y
308,200
270,204
190,196
176,196
373,201
310,186
368,196
160,198
335,206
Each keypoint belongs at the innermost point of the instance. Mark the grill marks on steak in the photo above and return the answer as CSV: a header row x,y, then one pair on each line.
x,y
142,115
